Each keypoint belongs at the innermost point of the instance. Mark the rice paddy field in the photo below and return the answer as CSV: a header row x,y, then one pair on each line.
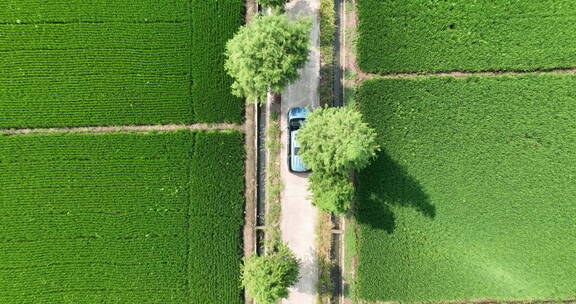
x,y
116,62
473,195
398,36
121,217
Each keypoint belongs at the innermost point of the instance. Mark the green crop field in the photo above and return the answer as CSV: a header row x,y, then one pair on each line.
x,y
465,35
116,62
474,193
121,218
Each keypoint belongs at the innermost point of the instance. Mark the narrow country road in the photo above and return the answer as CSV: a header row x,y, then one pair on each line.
x,y
298,215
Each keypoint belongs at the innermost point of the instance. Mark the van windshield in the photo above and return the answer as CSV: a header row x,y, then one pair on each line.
x,y
295,124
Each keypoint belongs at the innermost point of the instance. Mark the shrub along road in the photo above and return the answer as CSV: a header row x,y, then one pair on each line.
x,y
298,214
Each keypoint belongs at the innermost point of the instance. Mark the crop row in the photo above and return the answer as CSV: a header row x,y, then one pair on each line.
x,y
429,36
113,217
77,36
56,63
472,196
70,146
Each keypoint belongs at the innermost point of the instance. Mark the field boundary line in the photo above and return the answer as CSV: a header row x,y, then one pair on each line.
x,y
117,129
460,74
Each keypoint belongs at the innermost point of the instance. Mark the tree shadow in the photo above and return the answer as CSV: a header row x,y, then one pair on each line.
x,y
308,274
384,184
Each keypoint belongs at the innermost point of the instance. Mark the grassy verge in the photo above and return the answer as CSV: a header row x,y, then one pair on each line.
x,y
273,182
324,224
349,95
350,42
350,256
472,196
327,31
323,248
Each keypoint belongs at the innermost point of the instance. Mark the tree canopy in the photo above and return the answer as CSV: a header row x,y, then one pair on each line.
x,y
337,140
266,55
334,141
267,278
331,192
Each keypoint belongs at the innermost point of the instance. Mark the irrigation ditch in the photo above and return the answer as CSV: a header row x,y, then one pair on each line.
x,y
337,231
330,227
261,178
267,207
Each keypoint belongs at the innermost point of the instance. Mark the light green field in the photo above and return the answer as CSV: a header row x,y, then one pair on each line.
x,y
474,193
465,35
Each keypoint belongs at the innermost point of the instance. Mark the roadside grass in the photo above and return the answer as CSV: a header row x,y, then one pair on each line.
x,y
349,100
350,254
327,30
323,247
349,96
349,75
462,35
348,6
351,39
273,183
473,194
327,98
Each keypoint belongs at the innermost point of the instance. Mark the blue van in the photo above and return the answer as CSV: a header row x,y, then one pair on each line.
x,y
296,118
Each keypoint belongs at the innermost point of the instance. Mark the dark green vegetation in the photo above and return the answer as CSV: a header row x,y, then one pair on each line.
x,y
473,195
439,35
213,24
112,62
121,218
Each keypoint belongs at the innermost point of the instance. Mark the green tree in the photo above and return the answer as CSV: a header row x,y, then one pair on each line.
x,y
334,141
265,55
337,140
267,278
272,3
331,192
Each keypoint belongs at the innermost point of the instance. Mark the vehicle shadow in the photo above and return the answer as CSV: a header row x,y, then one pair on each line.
x,y
301,174
384,184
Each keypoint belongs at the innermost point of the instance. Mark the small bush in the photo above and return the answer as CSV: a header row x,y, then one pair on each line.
x,y
267,278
